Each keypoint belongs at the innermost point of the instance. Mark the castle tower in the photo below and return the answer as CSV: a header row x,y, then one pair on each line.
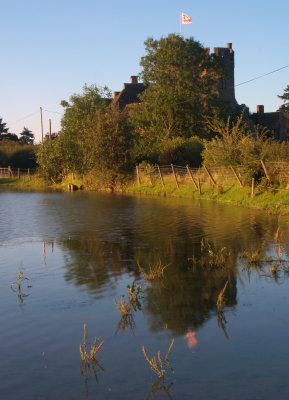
x,y
227,84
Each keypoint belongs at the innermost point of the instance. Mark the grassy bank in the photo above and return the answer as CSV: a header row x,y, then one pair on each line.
x,y
271,201
23,183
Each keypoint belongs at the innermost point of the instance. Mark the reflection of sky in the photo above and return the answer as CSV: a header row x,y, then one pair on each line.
x,y
191,339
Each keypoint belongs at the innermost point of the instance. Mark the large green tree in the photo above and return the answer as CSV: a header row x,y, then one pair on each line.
x,y
285,98
183,82
81,108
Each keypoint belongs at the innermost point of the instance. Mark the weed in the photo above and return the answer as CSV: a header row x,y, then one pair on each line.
x,y
154,271
211,258
221,298
158,364
123,307
89,356
133,293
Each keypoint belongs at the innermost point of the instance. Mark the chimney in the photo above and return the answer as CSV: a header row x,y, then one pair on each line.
x,y
133,79
115,94
229,46
260,109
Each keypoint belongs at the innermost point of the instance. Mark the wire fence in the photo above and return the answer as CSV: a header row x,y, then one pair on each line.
x,y
272,175
17,172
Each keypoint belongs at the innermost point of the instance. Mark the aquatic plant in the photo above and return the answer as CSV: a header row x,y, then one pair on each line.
x,y
123,307
21,278
211,258
154,271
158,364
133,293
88,356
221,298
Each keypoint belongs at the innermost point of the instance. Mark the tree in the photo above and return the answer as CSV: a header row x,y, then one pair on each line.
x,y
285,98
5,134
80,110
183,83
108,146
27,137
3,128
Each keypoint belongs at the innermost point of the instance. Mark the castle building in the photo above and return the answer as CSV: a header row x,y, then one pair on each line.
x,y
277,122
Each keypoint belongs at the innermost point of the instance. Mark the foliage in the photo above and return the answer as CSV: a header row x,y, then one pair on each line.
x,y
107,147
285,98
182,79
58,157
5,134
26,136
158,364
238,144
17,155
80,110
154,271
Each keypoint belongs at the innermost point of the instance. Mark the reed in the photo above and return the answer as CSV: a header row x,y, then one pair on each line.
x,y
133,294
123,307
158,364
221,298
88,356
155,271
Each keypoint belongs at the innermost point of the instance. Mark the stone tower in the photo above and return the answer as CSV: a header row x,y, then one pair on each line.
x,y
227,84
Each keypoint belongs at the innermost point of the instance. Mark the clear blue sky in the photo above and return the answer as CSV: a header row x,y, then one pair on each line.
x,y
50,49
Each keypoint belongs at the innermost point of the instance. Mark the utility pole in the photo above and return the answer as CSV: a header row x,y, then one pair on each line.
x,y
41,122
50,129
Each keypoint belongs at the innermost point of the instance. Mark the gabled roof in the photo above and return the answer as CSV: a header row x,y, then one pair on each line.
x,y
130,93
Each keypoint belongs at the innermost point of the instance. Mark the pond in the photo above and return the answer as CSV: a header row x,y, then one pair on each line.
x,y
220,292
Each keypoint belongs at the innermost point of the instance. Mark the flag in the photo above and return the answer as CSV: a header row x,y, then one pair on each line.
x,y
185,18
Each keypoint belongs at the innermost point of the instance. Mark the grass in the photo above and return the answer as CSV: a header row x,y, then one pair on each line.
x,y
221,298
158,364
154,271
23,183
88,356
276,202
211,258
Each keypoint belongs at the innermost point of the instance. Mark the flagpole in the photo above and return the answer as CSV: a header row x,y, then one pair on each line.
x,y
181,23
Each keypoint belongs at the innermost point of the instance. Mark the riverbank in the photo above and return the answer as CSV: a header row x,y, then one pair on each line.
x,y
273,201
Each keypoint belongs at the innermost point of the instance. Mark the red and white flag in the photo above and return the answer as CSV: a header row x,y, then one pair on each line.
x,y
185,18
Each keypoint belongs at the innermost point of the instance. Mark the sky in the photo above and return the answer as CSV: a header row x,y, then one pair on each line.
x,y
51,49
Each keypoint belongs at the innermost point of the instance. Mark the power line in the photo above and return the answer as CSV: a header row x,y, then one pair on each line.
x,y
261,76
27,116
53,112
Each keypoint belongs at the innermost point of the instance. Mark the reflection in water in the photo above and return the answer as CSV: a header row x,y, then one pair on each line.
x,y
114,241
160,387
191,339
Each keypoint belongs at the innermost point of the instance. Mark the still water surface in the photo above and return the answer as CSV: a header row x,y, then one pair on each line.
x,y
81,250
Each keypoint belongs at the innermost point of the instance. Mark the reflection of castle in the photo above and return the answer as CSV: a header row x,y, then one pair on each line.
x,y
277,122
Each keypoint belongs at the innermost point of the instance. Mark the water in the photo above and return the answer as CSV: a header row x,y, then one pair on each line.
x,y
81,250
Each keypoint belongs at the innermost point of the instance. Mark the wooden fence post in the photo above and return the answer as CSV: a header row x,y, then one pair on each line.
x,y
28,172
253,188
236,176
210,175
137,174
177,183
18,173
161,176
10,171
199,186
265,170
191,176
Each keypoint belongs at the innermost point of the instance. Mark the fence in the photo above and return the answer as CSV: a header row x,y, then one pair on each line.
x,y
275,175
17,172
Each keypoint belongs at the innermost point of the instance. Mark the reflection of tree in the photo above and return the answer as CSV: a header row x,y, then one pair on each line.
x,y
94,263
118,232
185,300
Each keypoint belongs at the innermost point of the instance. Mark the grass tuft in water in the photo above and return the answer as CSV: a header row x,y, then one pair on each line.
x,y
133,294
88,356
211,258
155,271
221,300
158,364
